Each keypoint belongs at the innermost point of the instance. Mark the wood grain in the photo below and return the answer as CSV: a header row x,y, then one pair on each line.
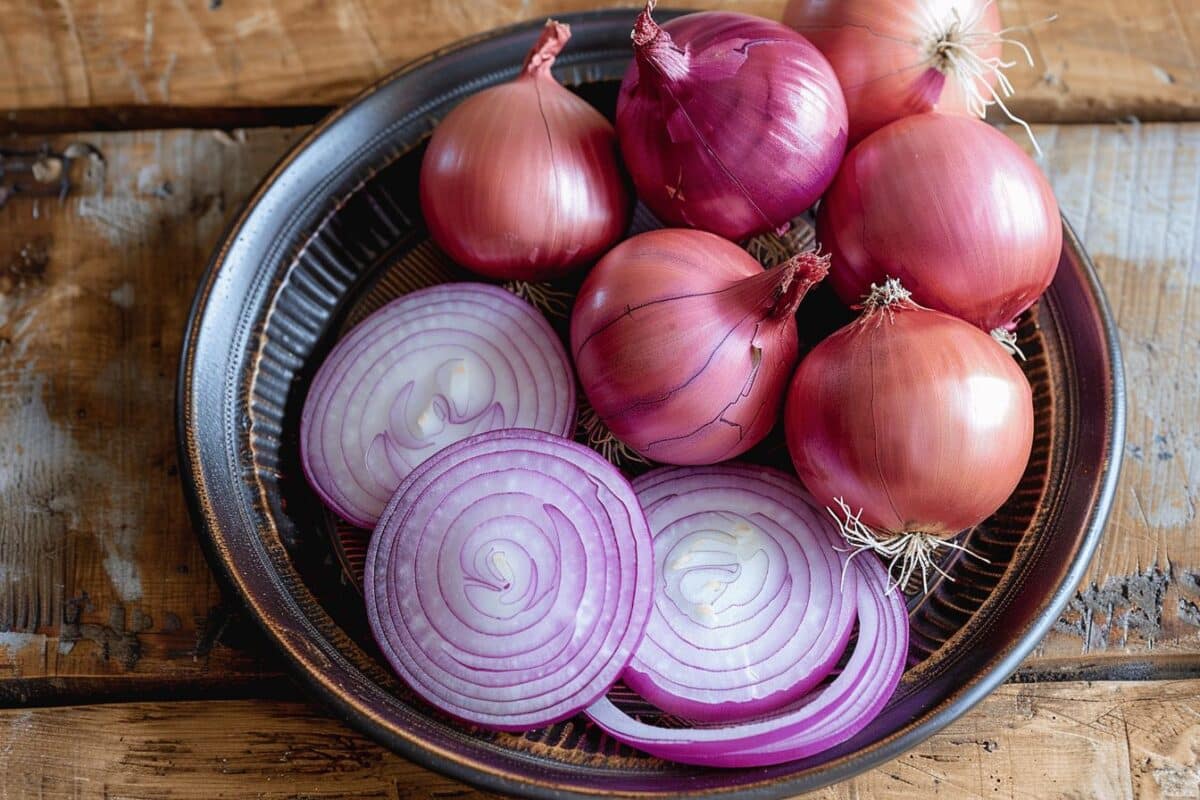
x,y
100,572
1133,194
1041,742
1096,62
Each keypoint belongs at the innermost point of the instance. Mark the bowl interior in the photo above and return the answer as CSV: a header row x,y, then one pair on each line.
x,y
336,231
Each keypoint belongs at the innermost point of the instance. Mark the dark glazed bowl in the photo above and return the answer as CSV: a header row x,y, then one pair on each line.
x,y
335,228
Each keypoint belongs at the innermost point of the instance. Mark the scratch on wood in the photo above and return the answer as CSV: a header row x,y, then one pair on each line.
x,y
1124,604
118,640
121,220
1189,612
1178,780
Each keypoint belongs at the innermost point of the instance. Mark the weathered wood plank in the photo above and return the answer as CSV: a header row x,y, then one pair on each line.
x,y
1097,62
1133,194
100,572
1035,742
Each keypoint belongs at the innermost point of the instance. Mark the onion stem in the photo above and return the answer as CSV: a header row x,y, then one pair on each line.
x,y
554,37
886,296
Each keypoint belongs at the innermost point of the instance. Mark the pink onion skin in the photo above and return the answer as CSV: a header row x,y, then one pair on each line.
x,y
684,344
950,206
523,180
729,123
915,417
880,50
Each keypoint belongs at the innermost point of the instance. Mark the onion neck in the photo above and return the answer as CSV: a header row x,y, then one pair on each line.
x,y
804,271
655,50
887,296
777,292
539,60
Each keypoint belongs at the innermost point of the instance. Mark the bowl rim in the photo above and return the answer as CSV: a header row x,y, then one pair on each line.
x,y
355,712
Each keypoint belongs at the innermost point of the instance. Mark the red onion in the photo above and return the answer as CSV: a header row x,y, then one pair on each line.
x,y
750,608
509,579
684,344
819,721
729,123
523,180
900,57
951,207
426,370
912,424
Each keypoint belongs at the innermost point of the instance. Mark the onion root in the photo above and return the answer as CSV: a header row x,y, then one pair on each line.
x,y
907,552
551,302
952,48
1008,340
597,436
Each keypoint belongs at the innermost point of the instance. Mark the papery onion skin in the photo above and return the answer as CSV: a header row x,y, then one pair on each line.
x,y
523,180
821,720
508,581
729,123
886,54
913,416
753,604
952,208
389,394
684,344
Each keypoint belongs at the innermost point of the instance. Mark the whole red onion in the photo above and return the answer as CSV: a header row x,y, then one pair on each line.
x,y
900,57
523,180
728,123
951,207
684,344
910,422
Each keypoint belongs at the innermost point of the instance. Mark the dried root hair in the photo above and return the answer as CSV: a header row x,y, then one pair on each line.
x,y
551,302
906,554
953,48
596,435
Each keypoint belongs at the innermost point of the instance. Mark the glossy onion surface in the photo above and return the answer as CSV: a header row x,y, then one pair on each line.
x,y
729,123
684,343
523,180
900,57
920,420
952,208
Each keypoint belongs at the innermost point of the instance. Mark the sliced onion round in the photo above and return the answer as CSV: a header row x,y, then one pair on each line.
x,y
820,720
427,370
508,580
750,610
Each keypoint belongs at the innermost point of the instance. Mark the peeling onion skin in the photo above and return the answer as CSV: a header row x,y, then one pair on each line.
x,y
913,416
952,208
684,344
728,122
523,180
508,580
880,52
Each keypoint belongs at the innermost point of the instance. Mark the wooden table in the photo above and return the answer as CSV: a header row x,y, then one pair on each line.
x,y
123,671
